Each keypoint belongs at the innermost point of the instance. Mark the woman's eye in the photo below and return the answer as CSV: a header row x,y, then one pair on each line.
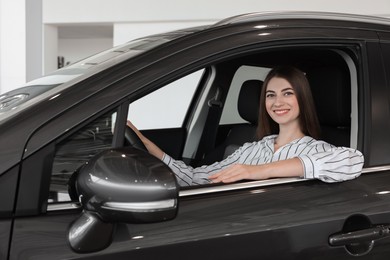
x,y
269,95
289,93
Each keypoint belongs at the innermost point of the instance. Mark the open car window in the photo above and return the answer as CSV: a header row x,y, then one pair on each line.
x,y
332,75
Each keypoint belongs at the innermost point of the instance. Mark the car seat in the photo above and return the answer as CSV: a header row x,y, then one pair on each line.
x,y
248,109
331,89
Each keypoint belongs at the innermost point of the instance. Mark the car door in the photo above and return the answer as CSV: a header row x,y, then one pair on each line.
x,y
8,184
45,176
271,219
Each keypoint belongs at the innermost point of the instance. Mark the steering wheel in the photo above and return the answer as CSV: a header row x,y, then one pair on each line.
x,y
133,139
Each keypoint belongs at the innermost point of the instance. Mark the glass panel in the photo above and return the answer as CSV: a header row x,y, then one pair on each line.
x,y
39,89
167,106
76,150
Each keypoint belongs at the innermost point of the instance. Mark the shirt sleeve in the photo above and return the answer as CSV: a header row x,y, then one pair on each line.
x,y
332,164
187,175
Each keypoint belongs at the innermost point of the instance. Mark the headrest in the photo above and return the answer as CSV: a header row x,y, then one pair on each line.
x,y
249,100
331,89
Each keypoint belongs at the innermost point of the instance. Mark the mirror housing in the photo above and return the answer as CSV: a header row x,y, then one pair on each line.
x,y
122,185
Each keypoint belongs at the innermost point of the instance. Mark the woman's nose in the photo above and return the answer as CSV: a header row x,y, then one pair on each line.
x,y
278,100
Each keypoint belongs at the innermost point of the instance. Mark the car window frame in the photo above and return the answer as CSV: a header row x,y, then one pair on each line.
x,y
354,102
250,184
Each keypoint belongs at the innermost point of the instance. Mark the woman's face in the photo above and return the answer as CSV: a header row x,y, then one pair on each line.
x,y
281,102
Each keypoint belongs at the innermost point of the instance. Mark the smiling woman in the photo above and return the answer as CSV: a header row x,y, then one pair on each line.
x,y
287,103
287,148
282,106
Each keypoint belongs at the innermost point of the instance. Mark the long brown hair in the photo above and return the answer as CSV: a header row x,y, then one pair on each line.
x,y
308,119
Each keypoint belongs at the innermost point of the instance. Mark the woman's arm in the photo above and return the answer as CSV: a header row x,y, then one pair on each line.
x,y
286,168
186,175
333,165
319,160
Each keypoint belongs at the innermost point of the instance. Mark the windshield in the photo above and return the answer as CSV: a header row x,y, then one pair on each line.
x,y
50,85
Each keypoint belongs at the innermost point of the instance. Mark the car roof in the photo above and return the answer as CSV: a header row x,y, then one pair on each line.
x,y
266,16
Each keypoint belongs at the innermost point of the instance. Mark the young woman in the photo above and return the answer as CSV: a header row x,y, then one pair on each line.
x,y
287,131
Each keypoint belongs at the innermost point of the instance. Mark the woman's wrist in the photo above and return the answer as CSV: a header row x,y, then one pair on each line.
x,y
259,172
265,171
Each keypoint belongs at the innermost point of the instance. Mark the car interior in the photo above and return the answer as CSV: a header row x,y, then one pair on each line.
x,y
330,78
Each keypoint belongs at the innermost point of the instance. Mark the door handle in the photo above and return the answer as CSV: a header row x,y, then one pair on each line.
x,y
364,235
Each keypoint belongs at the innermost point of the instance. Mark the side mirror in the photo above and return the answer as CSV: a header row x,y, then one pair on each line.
x,y
121,185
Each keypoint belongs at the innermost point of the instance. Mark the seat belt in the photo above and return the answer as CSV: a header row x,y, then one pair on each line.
x,y
207,141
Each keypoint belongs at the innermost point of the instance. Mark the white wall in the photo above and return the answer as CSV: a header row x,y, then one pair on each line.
x,y
12,44
129,19
34,39
124,32
50,48
76,49
134,19
86,11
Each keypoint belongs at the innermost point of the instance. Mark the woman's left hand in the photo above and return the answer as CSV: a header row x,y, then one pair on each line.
x,y
237,172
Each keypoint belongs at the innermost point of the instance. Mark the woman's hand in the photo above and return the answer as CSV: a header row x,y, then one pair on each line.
x,y
152,148
239,172
135,129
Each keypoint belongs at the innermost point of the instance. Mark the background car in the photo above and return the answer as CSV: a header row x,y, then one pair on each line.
x,y
72,186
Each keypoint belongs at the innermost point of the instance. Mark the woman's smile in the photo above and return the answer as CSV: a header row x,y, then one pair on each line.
x,y
281,112
281,102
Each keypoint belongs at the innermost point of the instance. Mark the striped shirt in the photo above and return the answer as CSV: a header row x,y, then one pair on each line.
x,y
320,160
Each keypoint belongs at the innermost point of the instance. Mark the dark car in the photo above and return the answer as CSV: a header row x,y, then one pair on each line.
x,y
75,183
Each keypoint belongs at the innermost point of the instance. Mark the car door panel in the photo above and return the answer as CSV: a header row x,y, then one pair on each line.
x,y
249,223
5,234
377,124
34,182
8,184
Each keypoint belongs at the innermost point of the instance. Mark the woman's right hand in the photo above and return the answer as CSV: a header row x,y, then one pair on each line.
x,y
152,148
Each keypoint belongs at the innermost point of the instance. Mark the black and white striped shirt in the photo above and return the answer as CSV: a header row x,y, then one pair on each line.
x,y
320,160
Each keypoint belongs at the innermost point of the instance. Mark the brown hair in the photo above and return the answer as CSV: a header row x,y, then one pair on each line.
x,y
307,118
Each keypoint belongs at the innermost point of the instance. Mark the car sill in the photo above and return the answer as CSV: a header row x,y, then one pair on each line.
x,y
238,186
220,188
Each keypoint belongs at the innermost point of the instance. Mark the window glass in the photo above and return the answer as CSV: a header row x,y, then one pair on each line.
x,y
76,150
166,107
230,113
39,89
